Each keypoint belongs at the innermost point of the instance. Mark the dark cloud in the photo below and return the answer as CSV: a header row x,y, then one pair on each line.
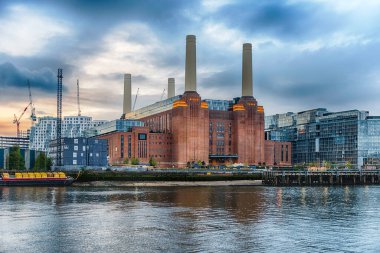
x,y
10,76
280,18
95,19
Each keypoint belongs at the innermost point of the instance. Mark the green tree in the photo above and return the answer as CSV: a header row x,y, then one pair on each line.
x,y
326,164
43,163
152,161
348,165
126,161
135,161
15,159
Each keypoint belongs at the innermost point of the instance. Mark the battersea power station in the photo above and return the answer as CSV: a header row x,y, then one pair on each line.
x,y
185,129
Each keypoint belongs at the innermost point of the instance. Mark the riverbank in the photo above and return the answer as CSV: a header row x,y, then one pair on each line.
x,y
167,183
157,176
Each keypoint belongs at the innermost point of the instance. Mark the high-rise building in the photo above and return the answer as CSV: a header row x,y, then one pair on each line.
x,y
72,126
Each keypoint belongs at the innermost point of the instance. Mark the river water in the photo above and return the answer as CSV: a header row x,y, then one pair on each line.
x,y
190,219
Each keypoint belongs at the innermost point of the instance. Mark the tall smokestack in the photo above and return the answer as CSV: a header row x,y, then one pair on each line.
x,y
191,67
171,87
247,84
127,94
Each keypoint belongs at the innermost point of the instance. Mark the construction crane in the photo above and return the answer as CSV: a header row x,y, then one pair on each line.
x,y
79,112
162,95
134,103
17,120
33,110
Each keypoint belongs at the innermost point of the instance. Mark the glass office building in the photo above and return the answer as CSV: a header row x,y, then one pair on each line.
x,y
337,137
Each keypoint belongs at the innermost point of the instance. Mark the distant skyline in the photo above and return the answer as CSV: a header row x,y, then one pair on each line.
x,y
306,53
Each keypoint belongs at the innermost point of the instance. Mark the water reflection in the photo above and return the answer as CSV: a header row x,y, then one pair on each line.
x,y
191,219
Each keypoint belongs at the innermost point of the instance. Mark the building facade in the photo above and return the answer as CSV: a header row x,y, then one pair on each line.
x,y
188,129
8,142
80,151
341,138
72,126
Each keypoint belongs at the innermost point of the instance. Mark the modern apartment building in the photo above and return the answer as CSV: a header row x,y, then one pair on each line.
x,y
348,137
80,152
72,126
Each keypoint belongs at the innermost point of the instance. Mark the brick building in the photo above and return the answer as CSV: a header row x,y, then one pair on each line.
x,y
185,128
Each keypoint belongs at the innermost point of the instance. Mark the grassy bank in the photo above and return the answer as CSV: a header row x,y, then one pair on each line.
x,y
88,176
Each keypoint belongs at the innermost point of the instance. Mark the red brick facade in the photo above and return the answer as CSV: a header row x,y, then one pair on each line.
x,y
123,145
190,132
190,122
278,153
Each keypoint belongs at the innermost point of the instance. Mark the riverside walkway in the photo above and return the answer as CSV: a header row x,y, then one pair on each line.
x,y
328,177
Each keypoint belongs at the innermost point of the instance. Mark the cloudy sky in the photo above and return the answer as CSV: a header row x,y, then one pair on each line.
x,y
306,53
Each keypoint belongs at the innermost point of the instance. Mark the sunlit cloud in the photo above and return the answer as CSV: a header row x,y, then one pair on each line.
x,y
26,31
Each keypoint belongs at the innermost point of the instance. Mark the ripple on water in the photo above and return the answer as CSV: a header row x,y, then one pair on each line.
x,y
190,219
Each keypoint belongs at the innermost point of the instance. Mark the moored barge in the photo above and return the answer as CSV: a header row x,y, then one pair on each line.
x,y
35,179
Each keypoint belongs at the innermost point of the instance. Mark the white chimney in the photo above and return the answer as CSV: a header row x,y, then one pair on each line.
x,y
191,67
247,83
127,102
171,87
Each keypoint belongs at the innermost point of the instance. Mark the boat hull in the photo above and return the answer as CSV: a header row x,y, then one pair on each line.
x,y
36,182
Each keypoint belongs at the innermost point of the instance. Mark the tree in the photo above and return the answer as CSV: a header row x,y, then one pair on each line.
x,y
348,165
126,161
135,161
152,161
43,162
15,159
326,164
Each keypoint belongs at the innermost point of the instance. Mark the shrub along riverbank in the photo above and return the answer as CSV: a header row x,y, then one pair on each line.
x,y
88,176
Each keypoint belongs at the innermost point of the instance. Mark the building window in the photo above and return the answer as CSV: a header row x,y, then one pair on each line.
x,y
74,162
129,146
74,154
287,153
76,148
220,135
75,141
282,153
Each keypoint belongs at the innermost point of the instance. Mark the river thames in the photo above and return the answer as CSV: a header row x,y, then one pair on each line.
x,y
190,219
